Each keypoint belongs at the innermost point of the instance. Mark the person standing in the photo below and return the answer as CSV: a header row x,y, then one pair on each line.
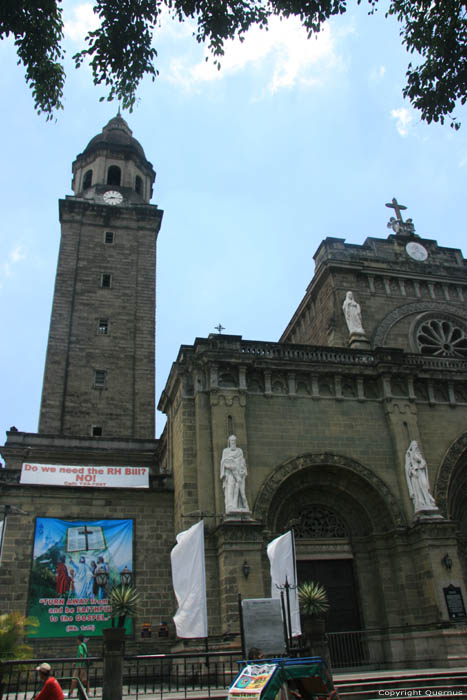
x,y
80,667
51,690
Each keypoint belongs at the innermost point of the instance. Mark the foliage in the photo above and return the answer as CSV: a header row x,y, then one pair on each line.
x,y
123,599
120,51
13,628
313,599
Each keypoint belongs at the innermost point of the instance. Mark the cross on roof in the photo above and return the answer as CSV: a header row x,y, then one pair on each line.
x,y
397,208
219,328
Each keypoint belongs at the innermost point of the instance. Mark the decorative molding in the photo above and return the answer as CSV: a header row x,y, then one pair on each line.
x,y
275,480
448,465
396,315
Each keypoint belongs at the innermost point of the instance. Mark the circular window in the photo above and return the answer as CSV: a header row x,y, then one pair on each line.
x,y
442,338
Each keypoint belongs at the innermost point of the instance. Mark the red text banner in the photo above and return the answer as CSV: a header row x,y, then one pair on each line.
x,y
95,476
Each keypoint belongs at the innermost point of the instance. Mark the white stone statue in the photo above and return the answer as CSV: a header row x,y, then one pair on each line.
x,y
416,471
353,314
233,475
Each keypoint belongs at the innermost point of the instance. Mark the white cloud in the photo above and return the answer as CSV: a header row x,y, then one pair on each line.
x,y
295,58
84,20
403,118
378,73
14,257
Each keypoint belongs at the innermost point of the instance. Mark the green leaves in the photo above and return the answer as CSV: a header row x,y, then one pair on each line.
x,y
13,627
121,53
313,599
123,599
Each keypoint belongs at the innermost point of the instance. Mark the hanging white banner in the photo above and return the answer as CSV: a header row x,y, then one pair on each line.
x,y
189,583
281,553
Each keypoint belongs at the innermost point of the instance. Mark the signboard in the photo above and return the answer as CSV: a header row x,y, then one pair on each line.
x,y
263,626
251,682
95,476
75,564
454,602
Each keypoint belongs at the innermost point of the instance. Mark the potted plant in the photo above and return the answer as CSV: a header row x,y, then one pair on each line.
x,y
314,603
123,600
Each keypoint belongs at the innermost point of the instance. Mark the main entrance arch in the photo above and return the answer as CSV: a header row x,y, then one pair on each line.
x,y
341,513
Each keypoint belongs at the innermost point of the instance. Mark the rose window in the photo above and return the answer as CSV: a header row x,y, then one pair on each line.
x,y
442,339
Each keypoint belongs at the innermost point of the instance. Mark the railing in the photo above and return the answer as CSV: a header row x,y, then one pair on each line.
x,y
164,674
20,681
358,648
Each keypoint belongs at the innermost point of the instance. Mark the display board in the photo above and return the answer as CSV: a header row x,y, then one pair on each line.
x,y
263,626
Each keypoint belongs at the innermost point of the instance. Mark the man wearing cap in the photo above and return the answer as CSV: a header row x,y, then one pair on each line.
x,y
51,690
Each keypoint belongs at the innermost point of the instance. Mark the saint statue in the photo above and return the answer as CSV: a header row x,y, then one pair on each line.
x,y
353,314
416,471
233,474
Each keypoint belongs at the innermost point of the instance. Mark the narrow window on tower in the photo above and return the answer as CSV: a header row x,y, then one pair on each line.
x,y
106,280
114,175
87,181
99,378
96,431
103,326
109,237
138,185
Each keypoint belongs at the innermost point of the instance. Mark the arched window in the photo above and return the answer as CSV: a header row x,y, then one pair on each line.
x,y
87,181
114,175
138,185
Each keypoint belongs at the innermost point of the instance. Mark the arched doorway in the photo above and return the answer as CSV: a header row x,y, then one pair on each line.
x,y
339,511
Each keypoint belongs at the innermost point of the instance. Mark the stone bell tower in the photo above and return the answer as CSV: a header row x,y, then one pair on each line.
x,y
100,366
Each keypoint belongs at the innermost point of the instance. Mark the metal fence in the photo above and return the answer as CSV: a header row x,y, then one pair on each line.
x,y
160,675
20,681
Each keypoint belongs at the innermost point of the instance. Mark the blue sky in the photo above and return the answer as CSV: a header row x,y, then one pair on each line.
x,y
292,141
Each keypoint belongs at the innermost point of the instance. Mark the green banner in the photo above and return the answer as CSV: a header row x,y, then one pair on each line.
x,y
75,564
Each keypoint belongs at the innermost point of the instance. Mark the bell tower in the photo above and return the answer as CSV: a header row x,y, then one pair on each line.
x,y
100,366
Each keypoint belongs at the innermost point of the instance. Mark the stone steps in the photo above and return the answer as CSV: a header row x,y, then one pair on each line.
x,y
403,684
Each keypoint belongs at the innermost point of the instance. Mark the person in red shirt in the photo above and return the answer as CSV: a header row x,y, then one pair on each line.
x,y
51,690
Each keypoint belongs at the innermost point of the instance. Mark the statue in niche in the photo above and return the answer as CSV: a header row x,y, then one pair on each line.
x,y
353,314
416,471
233,475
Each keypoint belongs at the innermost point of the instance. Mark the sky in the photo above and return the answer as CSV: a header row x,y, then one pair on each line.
x,y
291,141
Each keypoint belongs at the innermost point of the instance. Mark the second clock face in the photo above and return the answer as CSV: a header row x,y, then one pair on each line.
x,y
112,197
416,251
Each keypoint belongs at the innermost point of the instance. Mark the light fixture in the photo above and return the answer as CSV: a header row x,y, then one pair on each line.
x,y
447,561
125,576
246,569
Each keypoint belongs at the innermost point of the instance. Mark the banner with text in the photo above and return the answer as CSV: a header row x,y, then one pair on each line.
x,y
97,476
75,564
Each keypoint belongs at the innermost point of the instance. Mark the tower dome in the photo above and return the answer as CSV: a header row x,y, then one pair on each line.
x,y
113,159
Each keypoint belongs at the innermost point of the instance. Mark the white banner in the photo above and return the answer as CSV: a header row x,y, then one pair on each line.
x,y
281,553
189,582
96,476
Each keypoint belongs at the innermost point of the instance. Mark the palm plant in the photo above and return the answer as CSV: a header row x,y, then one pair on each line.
x,y
313,599
13,627
123,599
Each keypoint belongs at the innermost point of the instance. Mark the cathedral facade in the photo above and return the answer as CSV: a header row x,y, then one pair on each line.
x,y
351,428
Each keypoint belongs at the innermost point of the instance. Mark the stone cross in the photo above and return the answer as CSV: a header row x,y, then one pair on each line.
x,y
397,208
219,328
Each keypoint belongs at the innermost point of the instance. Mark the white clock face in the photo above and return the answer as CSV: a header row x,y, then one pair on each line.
x,y
112,197
416,251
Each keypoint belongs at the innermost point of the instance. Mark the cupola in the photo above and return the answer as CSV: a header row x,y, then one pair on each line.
x,y
113,161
